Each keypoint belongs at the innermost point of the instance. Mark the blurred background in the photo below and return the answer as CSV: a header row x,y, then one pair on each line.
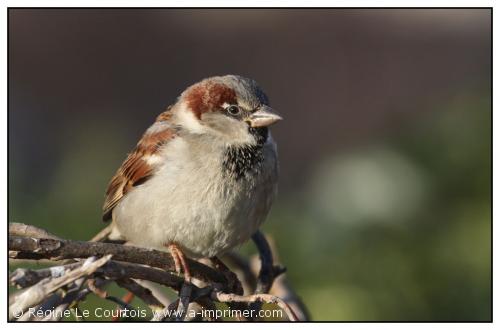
x,y
384,210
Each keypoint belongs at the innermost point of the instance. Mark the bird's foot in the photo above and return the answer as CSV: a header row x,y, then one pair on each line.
x,y
180,261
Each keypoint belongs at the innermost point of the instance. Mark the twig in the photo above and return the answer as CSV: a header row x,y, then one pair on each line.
x,y
283,289
119,302
23,277
208,304
48,304
102,235
35,294
165,313
112,269
20,229
266,274
70,298
52,249
120,270
262,298
184,299
234,283
143,293
137,270
156,291
241,267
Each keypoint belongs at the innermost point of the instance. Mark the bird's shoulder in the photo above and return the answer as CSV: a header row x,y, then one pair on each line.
x,y
141,163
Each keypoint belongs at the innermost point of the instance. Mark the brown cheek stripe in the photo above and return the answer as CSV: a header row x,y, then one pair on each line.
x,y
209,97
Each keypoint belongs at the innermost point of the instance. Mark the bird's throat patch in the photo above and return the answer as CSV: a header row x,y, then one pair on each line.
x,y
243,160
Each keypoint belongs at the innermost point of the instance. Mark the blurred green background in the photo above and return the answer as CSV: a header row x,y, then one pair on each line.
x,y
384,210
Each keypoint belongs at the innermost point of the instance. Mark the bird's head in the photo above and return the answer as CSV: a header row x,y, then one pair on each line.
x,y
231,107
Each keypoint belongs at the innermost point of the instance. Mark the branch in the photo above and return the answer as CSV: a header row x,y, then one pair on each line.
x,y
37,293
242,268
72,296
282,288
266,274
143,293
137,270
20,229
261,298
57,249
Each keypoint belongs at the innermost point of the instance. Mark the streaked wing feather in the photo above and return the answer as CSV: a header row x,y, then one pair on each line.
x,y
136,169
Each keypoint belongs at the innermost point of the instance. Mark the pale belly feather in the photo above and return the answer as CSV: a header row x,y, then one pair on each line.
x,y
190,202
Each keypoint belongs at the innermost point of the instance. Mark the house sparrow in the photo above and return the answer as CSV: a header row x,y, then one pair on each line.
x,y
203,177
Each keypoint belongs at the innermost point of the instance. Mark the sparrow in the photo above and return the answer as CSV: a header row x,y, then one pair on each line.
x,y
202,178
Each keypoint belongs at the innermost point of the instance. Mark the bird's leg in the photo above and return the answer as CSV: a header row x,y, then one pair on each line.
x,y
179,261
185,291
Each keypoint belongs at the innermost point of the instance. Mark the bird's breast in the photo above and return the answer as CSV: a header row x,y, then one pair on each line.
x,y
207,202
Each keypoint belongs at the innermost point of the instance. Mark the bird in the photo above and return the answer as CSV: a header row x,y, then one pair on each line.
x,y
204,175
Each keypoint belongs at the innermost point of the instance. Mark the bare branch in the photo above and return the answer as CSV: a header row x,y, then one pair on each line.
x,y
71,297
242,269
184,300
35,294
20,229
261,298
53,249
167,311
102,235
138,270
266,274
281,288
23,277
156,290
143,293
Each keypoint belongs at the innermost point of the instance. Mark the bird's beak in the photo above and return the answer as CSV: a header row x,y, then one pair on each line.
x,y
264,116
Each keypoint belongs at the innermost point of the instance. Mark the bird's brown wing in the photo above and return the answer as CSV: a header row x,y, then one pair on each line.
x,y
140,163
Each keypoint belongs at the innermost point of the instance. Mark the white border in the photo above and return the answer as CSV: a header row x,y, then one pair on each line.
x,y
232,3
248,3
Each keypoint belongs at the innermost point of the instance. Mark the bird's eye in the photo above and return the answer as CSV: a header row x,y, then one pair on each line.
x,y
233,110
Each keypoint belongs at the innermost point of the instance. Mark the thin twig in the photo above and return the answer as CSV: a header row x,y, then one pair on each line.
x,y
283,289
166,312
262,298
143,293
156,291
241,267
266,273
102,235
20,229
71,298
184,300
22,277
34,295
